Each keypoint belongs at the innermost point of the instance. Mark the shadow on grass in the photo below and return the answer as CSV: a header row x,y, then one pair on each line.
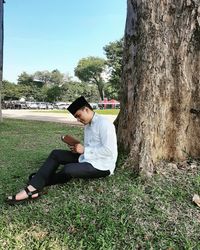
x,y
116,212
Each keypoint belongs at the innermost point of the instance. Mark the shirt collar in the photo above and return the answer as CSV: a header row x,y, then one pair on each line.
x,y
94,118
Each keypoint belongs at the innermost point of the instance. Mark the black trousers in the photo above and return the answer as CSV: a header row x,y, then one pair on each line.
x,y
48,174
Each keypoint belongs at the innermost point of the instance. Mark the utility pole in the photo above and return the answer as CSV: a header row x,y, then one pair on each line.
x,y
1,53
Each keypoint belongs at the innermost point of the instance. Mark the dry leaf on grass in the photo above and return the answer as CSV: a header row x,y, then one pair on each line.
x,y
196,199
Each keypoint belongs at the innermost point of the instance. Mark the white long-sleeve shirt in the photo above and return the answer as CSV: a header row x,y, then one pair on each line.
x,y
100,144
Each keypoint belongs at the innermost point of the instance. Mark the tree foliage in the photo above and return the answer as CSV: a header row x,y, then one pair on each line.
x,y
111,92
25,79
72,90
67,92
54,86
55,77
114,54
91,70
41,78
9,91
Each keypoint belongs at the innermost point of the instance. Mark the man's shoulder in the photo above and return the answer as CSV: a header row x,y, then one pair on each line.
x,y
102,120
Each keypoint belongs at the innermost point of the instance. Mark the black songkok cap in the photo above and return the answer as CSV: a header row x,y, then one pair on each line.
x,y
78,104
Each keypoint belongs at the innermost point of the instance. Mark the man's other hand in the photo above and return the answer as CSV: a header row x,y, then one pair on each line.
x,y
78,148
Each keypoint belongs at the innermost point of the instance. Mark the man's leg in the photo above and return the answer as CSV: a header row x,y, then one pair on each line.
x,y
43,175
48,169
83,170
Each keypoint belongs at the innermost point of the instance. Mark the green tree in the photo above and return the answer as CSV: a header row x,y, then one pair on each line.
x,y
55,77
42,76
12,91
54,94
111,92
91,70
25,79
114,54
9,91
72,90
25,91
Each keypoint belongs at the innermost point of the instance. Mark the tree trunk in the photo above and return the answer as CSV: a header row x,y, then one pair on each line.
x,y
160,100
1,53
100,86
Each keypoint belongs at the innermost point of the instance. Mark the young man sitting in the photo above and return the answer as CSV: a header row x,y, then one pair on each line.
x,y
97,158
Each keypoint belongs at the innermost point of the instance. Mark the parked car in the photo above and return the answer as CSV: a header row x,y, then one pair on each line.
x,y
14,105
94,105
28,104
23,105
50,106
42,105
33,105
61,105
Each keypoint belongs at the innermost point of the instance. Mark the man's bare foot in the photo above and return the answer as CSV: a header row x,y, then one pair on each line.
x,y
23,194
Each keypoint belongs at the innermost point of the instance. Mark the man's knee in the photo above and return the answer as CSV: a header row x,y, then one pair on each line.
x,y
55,154
68,168
72,170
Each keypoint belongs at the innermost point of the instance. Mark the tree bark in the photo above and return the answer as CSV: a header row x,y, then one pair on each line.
x,y
1,53
100,86
160,99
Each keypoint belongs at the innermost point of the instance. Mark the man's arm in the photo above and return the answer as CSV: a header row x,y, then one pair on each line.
x,y
108,143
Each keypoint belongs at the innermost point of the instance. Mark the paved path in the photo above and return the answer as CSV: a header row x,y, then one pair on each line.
x,y
25,114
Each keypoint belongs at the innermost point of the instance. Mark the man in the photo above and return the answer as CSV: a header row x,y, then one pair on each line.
x,y
97,158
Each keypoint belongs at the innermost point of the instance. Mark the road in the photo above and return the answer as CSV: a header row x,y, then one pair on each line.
x,y
25,114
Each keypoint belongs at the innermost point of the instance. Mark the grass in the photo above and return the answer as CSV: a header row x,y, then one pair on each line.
x,y
99,111
117,212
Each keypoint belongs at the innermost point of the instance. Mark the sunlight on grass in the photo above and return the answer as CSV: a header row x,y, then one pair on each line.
x,y
99,111
116,212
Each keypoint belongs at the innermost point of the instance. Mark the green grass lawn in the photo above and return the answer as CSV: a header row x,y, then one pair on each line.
x,y
99,111
117,212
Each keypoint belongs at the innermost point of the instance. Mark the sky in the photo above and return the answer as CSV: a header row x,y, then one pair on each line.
x,y
55,34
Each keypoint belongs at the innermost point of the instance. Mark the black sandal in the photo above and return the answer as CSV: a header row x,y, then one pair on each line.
x,y
13,200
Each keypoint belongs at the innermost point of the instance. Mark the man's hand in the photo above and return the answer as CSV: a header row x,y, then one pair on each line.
x,y
78,148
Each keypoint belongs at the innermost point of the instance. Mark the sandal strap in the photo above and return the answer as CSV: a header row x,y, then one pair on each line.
x,y
30,193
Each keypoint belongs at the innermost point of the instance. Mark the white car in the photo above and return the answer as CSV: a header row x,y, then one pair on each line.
x,y
62,106
32,105
50,106
42,105
94,105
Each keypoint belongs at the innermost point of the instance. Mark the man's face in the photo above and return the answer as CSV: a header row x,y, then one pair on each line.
x,y
83,115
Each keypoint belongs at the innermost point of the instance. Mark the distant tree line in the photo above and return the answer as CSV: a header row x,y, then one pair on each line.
x,y
98,78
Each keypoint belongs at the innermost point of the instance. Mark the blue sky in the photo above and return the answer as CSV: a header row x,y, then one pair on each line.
x,y
56,34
